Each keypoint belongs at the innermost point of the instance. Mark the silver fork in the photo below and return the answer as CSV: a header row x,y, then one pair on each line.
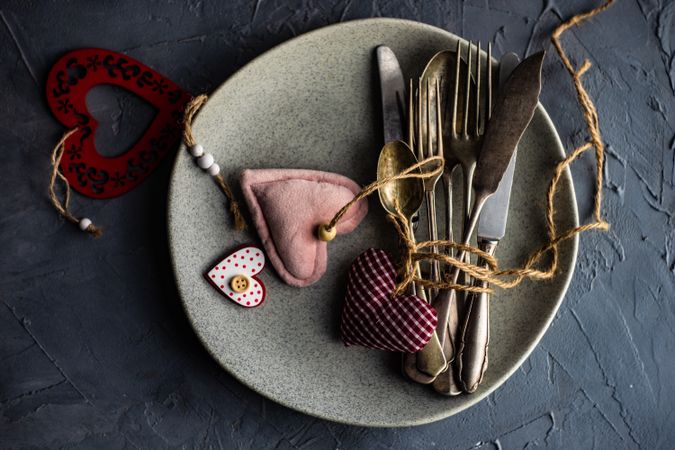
x,y
425,149
468,142
425,365
430,359
464,146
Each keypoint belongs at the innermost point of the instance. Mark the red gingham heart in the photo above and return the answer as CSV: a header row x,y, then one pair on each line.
x,y
371,318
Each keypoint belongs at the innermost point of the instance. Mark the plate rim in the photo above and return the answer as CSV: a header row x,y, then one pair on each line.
x,y
473,398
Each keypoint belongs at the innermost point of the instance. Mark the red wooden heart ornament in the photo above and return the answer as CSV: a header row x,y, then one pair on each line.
x,y
371,318
68,83
235,276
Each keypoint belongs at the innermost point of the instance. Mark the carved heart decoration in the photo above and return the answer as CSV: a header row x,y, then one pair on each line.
x,y
235,276
68,83
287,205
371,318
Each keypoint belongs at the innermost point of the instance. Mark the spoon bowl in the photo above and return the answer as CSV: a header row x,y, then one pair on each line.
x,y
407,194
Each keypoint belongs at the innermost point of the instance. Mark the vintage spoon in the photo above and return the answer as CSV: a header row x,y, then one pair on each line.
x,y
407,196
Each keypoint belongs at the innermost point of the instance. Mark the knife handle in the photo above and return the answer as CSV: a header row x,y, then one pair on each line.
x,y
472,355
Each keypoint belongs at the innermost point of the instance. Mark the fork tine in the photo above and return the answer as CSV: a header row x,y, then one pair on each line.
x,y
411,116
478,85
429,150
444,100
419,152
439,122
467,94
489,82
456,90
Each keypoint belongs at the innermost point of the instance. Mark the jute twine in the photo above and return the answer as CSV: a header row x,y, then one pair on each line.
x,y
190,110
509,278
63,207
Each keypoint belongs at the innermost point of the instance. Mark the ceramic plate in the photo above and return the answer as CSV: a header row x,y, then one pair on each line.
x,y
313,103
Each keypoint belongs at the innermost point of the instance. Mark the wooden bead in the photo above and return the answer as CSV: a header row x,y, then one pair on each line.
x,y
84,223
197,151
327,234
213,170
205,161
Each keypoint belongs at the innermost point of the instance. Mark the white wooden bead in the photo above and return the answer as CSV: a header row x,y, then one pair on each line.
x,y
205,161
84,223
197,151
213,170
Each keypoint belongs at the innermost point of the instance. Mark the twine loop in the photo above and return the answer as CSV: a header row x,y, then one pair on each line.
x,y
414,252
63,206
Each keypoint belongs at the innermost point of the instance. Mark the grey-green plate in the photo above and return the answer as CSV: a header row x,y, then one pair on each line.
x,y
313,102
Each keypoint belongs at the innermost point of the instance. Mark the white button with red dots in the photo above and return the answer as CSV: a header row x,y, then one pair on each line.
x,y
235,276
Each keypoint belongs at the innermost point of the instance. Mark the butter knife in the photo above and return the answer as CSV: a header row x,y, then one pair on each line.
x,y
392,88
474,338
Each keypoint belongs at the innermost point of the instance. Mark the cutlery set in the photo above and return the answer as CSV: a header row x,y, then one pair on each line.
x,y
452,111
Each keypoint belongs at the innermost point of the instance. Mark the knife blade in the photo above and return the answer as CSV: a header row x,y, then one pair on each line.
x,y
392,88
511,115
492,220
475,334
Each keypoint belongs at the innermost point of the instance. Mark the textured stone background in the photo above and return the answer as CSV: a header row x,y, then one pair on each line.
x,y
96,352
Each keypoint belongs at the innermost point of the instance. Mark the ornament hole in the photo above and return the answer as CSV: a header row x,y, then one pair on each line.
x,y
122,118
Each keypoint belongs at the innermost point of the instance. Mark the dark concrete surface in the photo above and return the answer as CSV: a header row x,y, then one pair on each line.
x,y
95,351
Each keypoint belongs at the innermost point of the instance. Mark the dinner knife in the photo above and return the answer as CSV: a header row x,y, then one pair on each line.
x,y
474,338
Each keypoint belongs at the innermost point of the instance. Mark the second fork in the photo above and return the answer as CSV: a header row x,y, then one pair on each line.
x,y
431,359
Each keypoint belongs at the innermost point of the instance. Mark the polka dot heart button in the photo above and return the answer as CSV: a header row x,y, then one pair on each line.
x,y
235,276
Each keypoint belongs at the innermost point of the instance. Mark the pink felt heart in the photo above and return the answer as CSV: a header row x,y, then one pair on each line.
x,y
287,205
240,266
371,318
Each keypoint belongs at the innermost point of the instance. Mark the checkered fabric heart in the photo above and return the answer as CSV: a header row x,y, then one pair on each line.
x,y
371,318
